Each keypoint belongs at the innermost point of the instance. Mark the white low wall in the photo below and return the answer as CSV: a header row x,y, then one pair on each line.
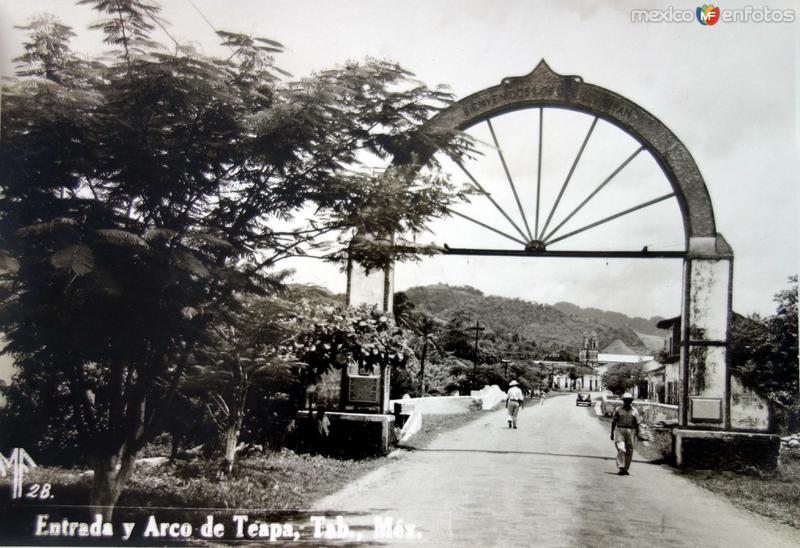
x,y
411,427
438,405
490,396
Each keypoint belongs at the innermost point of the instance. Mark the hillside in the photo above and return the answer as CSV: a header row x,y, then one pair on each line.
x,y
611,319
545,324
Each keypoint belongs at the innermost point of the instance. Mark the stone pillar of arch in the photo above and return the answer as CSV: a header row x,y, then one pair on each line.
x,y
372,288
705,331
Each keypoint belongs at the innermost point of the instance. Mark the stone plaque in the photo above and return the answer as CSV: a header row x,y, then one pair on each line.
x,y
705,410
363,389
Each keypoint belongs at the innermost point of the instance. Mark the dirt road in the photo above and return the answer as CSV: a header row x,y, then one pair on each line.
x,y
551,482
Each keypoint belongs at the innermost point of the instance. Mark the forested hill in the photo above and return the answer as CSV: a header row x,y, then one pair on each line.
x,y
562,325
612,319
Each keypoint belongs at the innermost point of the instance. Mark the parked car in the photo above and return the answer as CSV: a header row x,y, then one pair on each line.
x,y
583,399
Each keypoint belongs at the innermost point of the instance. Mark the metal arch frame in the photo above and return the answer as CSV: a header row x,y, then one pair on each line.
x,y
545,88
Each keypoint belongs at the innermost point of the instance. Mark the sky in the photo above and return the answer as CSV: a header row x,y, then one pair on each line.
x,y
728,91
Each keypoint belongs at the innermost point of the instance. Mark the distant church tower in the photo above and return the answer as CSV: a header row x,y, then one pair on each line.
x,y
588,352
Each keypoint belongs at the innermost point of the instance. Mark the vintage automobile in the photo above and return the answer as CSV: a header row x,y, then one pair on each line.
x,y
583,399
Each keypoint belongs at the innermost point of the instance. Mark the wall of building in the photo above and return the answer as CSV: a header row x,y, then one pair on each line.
x,y
650,412
748,410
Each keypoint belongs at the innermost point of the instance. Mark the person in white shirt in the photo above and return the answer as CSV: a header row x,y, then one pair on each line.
x,y
514,401
624,426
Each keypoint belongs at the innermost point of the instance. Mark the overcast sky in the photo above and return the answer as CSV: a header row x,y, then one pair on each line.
x,y
728,91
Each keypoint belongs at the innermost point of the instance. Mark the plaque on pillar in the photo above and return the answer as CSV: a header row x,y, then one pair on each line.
x,y
705,409
364,389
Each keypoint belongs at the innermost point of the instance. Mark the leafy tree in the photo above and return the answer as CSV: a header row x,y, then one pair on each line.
x,y
427,331
338,337
622,377
765,356
47,52
38,415
141,196
246,350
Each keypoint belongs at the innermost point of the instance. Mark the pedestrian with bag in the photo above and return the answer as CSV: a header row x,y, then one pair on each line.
x,y
624,426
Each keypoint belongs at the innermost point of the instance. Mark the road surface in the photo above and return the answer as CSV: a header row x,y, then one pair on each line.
x,y
551,482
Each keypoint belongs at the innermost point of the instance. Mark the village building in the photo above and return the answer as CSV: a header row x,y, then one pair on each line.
x,y
598,361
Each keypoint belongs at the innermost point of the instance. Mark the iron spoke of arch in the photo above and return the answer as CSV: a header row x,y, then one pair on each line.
x,y
612,217
569,175
539,174
489,197
484,225
508,176
594,192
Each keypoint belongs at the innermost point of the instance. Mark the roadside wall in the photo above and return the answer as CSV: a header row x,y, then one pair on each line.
x,y
650,412
438,405
490,396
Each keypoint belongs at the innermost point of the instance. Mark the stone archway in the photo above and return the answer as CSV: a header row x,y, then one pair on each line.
x,y
707,258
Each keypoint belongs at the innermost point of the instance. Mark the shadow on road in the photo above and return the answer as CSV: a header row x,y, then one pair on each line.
x,y
538,453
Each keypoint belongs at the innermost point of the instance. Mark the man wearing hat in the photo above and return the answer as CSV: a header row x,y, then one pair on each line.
x,y
626,423
514,399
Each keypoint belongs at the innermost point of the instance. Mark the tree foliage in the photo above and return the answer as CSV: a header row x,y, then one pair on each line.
x,y
145,192
338,337
622,377
243,363
765,356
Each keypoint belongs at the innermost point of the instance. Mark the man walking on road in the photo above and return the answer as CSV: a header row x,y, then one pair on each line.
x,y
514,399
626,423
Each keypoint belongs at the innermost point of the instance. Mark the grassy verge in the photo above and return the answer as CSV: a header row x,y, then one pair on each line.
x,y
433,425
278,482
282,480
775,495
277,487
280,487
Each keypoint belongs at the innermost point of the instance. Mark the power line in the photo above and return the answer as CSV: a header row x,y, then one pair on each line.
x,y
210,24
157,22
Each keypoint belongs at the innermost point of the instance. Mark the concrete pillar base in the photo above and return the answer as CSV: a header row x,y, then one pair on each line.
x,y
353,434
719,450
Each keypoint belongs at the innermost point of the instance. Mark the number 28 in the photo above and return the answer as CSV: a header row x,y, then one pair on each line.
x,y
38,491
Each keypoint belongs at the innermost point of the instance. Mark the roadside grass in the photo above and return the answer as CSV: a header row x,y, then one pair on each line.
x,y
433,425
277,487
278,483
775,494
282,480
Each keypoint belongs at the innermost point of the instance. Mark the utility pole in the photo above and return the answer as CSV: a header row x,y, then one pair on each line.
x,y
505,366
477,329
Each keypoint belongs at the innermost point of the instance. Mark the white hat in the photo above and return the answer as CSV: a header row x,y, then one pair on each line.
x,y
627,396
513,383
